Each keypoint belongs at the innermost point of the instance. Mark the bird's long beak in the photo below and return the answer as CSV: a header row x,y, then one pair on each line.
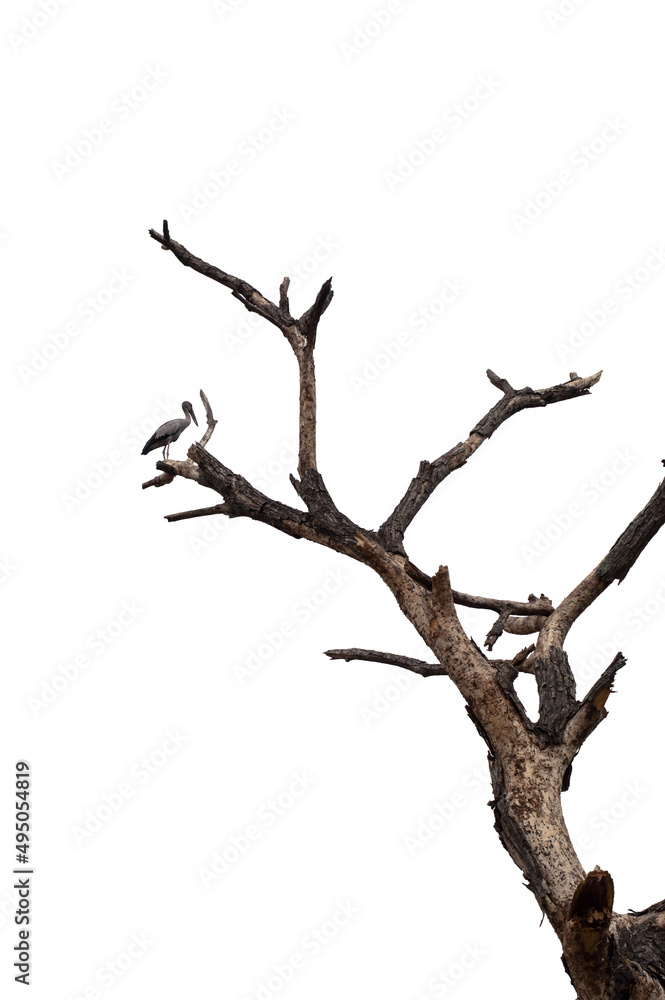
x,y
194,418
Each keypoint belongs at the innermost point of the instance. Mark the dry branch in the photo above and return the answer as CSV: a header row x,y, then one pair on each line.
x,y
609,956
592,710
554,675
300,333
188,470
212,423
615,566
248,295
431,474
392,659
309,320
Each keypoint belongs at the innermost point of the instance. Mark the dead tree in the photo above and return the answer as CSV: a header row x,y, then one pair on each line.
x,y
608,955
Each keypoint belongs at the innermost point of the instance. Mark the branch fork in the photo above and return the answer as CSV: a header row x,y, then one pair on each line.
x,y
609,956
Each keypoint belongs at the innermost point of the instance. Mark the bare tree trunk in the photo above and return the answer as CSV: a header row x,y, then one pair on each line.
x,y
608,956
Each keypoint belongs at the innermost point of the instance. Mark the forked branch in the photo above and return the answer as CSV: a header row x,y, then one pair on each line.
x,y
554,675
250,297
300,333
610,956
431,474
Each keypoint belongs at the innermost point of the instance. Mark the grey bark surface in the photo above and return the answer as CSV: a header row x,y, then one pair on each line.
x,y
608,956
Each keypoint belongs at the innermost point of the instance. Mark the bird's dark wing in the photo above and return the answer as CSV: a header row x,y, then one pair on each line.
x,y
168,432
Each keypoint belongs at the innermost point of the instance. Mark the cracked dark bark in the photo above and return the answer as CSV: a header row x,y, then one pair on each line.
x,y
608,956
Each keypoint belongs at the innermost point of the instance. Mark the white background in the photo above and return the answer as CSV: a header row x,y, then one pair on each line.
x,y
381,757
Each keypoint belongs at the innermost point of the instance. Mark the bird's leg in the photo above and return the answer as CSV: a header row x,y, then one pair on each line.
x,y
164,453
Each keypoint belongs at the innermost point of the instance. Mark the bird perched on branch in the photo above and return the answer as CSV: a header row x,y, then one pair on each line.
x,y
170,431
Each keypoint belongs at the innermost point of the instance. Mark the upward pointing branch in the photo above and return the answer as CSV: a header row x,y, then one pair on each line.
x,y
554,675
615,566
430,474
300,333
309,320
